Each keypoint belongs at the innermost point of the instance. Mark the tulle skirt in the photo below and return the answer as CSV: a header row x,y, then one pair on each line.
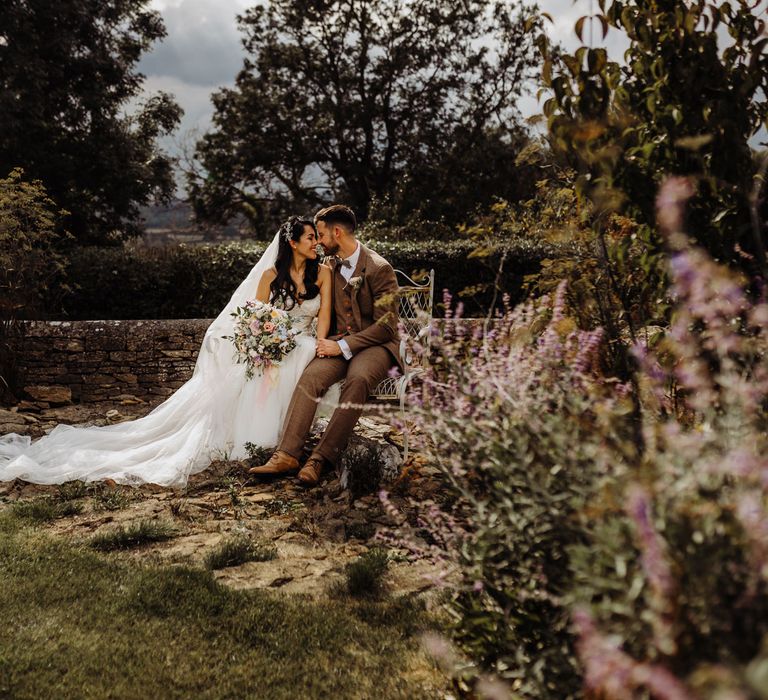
x,y
202,421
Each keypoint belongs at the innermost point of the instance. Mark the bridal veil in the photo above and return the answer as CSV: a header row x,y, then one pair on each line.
x,y
177,438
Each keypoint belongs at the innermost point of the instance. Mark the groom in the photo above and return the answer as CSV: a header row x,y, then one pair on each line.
x,y
361,352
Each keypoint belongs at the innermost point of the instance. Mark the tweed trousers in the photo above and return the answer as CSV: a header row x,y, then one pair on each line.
x,y
361,374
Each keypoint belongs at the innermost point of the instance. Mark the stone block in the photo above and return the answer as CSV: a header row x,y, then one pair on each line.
x,y
152,378
36,345
160,391
127,378
102,379
67,379
55,395
53,371
176,353
122,356
92,357
69,344
35,355
105,342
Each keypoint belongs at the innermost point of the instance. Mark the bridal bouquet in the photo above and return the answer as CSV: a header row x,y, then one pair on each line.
x,y
263,335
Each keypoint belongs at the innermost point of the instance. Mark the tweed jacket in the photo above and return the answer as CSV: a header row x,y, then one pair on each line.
x,y
365,308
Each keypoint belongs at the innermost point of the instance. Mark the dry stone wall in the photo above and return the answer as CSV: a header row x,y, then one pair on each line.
x,y
62,362
85,361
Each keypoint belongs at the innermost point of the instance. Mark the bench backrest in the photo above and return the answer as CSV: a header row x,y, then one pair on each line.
x,y
415,301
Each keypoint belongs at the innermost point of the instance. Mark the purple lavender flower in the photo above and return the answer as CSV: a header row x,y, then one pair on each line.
x,y
651,545
612,672
670,203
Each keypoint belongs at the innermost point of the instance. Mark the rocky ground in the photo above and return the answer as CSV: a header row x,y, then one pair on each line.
x,y
315,532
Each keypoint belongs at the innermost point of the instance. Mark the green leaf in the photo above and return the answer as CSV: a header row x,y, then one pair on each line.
x,y
694,143
579,28
596,60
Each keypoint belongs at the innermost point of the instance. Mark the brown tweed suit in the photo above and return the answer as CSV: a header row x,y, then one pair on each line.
x,y
366,317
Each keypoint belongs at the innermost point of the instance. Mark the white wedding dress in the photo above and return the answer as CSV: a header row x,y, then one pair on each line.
x,y
210,417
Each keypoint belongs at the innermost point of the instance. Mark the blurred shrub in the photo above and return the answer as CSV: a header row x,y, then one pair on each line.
x,y
615,276
607,549
671,587
517,420
688,98
196,282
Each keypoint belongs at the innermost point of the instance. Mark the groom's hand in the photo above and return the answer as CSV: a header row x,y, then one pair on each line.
x,y
327,348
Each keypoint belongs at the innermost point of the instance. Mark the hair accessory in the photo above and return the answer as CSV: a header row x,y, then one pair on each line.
x,y
286,229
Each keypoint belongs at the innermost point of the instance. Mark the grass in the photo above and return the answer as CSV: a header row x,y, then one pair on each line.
x,y
132,535
280,506
72,490
108,498
257,453
365,575
45,509
238,550
95,626
360,531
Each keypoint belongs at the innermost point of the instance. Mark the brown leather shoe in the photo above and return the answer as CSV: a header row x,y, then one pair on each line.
x,y
311,471
278,463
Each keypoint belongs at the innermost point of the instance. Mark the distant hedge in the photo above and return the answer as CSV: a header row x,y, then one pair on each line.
x,y
196,281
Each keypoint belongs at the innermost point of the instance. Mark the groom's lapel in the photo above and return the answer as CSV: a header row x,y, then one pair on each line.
x,y
362,259
362,262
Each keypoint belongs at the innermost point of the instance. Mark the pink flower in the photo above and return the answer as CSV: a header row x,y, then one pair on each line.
x,y
269,326
255,326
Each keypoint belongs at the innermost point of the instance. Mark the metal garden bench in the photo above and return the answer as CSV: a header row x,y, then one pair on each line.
x,y
415,301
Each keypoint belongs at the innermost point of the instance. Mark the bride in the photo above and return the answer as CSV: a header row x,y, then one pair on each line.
x,y
217,411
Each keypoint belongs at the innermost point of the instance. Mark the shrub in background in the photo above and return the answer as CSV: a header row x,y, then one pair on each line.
x,y
197,281
31,265
687,99
615,281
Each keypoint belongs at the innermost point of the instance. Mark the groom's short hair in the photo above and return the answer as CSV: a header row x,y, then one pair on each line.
x,y
338,215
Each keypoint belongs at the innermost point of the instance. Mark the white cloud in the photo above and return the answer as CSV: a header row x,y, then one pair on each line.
x,y
203,43
202,52
565,13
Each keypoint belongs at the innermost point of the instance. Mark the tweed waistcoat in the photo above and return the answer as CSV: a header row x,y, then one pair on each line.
x,y
343,310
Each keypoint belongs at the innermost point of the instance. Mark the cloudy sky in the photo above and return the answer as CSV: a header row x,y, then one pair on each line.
x,y
203,52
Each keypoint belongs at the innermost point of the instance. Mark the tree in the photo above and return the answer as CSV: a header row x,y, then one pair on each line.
x,y
32,268
67,75
351,99
687,100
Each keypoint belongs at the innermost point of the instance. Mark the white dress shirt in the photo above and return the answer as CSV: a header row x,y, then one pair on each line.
x,y
346,273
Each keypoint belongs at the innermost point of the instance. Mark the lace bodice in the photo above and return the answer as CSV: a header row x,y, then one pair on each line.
x,y
303,315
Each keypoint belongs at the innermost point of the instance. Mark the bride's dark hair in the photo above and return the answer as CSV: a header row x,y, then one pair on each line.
x,y
283,287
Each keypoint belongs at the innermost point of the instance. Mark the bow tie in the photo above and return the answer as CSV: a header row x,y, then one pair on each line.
x,y
344,263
